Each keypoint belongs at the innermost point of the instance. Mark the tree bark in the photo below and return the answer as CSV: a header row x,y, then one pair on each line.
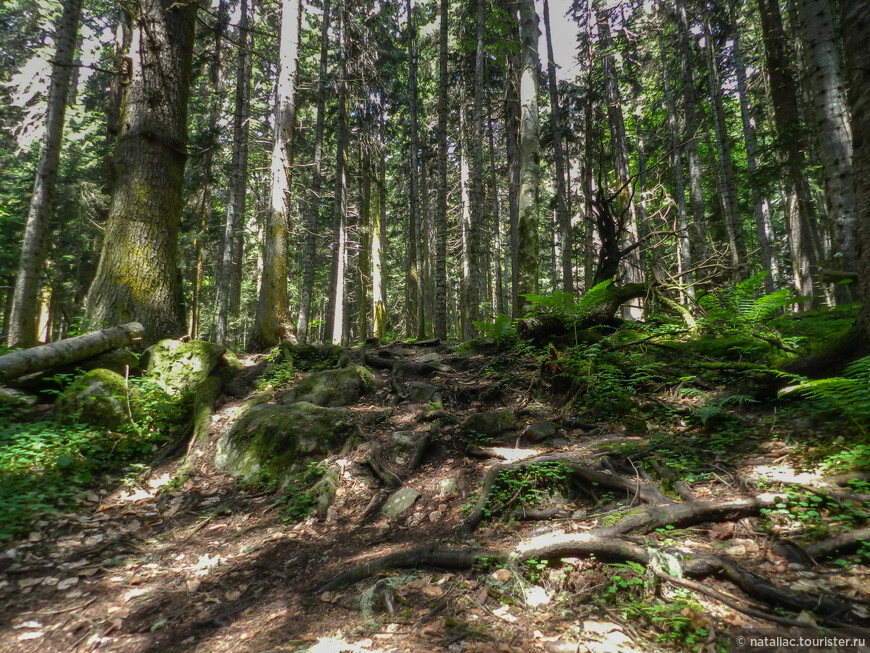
x,y
416,314
855,24
696,190
833,127
530,153
272,323
783,95
730,204
684,250
512,143
231,252
563,219
335,311
477,182
137,276
314,200
63,352
440,316
760,205
379,237
622,207
22,323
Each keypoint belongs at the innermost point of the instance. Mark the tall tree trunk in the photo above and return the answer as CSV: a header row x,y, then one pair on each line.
x,y
478,210
25,300
416,315
272,323
212,151
783,95
231,257
466,298
730,204
623,206
314,201
855,22
137,276
378,232
684,252
512,143
563,219
696,190
833,126
367,206
335,317
760,206
440,316
498,301
530,152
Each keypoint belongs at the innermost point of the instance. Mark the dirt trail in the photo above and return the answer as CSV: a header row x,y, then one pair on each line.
x,y
207,564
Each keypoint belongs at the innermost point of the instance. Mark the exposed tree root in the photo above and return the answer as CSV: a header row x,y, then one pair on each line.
x,y
838,543
373,459
633,488
646,519
833,610
420,448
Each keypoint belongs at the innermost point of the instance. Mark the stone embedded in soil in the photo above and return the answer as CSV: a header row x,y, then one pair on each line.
x,y
16,399
448,487
400,502
491,422
405,439
338,387
420,392
429,358
540,431
278,441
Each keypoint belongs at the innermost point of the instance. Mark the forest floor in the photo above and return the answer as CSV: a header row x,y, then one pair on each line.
x,y
202,562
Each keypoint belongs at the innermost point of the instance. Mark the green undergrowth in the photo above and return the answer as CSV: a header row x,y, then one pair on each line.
x,y
677,621
815,515
528,486
45,463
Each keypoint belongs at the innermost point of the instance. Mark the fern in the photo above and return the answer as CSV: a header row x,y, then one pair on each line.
x,y
848,395
565,307
744,305
500,330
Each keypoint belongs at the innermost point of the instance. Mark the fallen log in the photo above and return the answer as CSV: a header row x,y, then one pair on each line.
x,y
68,351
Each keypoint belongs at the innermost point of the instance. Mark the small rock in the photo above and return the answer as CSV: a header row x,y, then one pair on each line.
x,y
502,575
490,422
735,550
540,431
420,392
404,439
448,487
429,358
435,515
399,502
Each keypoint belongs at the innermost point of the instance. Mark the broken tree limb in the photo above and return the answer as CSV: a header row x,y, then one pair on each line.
x,y
68,351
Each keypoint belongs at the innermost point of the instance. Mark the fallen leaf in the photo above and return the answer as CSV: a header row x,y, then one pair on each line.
x,y
326,597
433,591
232,595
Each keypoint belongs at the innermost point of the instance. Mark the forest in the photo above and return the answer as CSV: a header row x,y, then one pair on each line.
x,y
474,325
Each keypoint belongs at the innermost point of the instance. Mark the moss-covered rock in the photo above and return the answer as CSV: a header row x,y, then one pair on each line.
x,y
339,387
117,360
12,400
100,398
311,357
491,422
182,367
277,441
